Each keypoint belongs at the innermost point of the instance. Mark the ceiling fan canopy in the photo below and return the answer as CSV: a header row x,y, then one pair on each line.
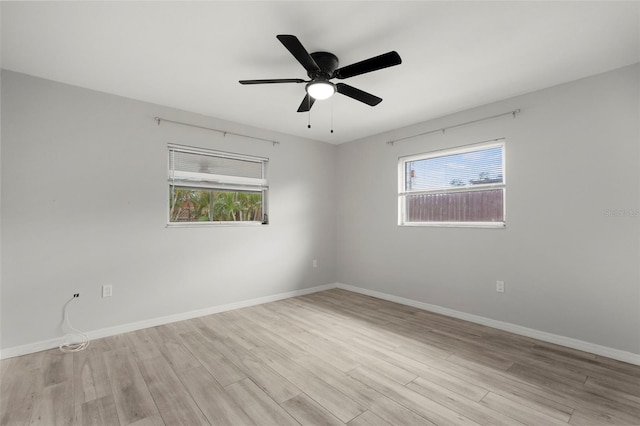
x,y
322,67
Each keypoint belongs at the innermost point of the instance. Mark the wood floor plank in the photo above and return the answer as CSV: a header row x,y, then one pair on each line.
x,y
324,345
245,332
613,388
308,413
111,343
218,365
226,326
544,375
168,341
97,412
396,413
537,403
257,404
561,351
629,370
131,394
586,417
52,405
511,387
363,395
155,420
218,407
18,391
448,381
423,406
175,404
461,405
422,369
357,355
142,345
22,363
520,412
276,386
629,387
90,377
336,402
368,419
577,394
286,345
57,367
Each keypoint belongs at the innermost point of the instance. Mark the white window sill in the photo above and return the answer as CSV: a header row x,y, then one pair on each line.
x,y
212,224
494,225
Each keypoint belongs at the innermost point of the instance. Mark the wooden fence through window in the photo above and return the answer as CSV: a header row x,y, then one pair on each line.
x,y
472,206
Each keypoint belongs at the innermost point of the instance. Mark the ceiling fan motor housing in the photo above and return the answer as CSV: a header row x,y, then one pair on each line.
x,y
327,62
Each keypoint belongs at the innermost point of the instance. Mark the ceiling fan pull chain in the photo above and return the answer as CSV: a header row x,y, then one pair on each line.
x,y
309,110
331,115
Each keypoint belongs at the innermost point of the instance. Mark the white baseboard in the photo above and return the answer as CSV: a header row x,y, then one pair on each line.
x,y
513,328
125,328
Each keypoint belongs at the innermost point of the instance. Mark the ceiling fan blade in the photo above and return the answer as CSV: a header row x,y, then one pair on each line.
x,y
358,94
385,60
277,80
306,104
298,51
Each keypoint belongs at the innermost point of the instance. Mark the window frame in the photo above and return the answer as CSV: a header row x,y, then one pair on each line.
x,y
224,183
403,192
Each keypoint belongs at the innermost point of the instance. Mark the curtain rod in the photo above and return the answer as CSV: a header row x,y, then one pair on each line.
x,y
443,129
224,132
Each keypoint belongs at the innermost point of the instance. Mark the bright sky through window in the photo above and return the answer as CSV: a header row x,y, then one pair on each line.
x,y
463,169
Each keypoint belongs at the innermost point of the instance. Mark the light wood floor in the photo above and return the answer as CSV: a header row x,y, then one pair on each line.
x,y
329,358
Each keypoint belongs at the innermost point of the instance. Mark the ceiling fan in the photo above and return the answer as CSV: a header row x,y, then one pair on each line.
x,y
322,67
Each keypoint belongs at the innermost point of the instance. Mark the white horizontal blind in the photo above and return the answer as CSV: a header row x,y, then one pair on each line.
x,y
195,168
446,171
463,186
215,165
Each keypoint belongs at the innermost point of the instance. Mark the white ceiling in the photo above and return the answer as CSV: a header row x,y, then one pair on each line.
x,y
190,55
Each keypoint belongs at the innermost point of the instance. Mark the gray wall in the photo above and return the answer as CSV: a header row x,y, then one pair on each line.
x,y
84,203
570,268
84,199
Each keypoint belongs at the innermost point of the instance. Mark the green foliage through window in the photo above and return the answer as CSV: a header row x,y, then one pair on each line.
x,y
210,205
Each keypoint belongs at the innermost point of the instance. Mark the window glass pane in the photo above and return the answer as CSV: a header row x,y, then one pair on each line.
x,y
468,206
461,186
456,170
209,205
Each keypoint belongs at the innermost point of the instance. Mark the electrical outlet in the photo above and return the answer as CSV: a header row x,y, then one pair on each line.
x,y
107,290
500,286
315,263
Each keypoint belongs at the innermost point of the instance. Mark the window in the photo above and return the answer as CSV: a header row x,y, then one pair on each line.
x,y
210,187
457,187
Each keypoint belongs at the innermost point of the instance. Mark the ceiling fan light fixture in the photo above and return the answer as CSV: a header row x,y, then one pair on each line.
x,y
321,89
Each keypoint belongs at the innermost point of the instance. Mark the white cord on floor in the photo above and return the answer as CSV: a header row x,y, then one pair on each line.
x,y
76,340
